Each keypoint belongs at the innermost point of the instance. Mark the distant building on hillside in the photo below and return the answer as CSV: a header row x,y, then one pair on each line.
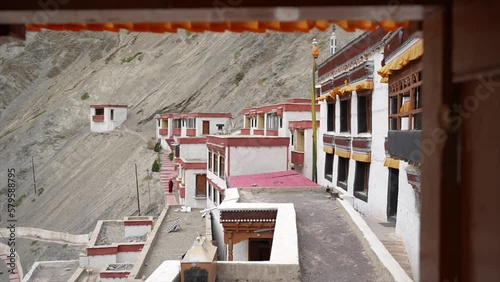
x,y
169,126
291,119
107,117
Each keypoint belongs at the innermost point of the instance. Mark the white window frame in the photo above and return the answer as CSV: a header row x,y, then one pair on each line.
x,y
191,123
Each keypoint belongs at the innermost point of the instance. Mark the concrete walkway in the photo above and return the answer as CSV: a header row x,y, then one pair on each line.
x,y
386,233
328,249
167,173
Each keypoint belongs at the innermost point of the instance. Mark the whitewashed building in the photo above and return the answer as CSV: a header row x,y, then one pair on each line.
x,y
403,73
189,125
107,117
291,119
185,135
355,115
230,155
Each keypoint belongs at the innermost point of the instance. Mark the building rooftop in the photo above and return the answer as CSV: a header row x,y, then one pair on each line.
x,y
289,179
113,231
247,140
291,105
327,252
109,106
49,271
190,115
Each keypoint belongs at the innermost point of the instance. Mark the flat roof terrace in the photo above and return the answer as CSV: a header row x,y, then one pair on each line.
x,y
328,249
52,271
113,231
172,246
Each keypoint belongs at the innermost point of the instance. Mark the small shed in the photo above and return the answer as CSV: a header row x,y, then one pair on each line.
x,y
107,117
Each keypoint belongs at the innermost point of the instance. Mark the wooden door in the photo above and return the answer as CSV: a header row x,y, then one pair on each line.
x,y
206,127
201,182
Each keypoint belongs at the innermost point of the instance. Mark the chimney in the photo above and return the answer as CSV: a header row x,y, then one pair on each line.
x,y
333,41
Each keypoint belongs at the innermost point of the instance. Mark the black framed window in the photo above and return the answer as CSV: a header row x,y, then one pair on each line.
x,y
328,166
343,172
361,179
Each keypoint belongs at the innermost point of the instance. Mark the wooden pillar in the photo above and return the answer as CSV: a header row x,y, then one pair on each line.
x,y
230,249
440,212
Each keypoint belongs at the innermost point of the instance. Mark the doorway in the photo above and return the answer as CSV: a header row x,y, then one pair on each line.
x,y
112,114
201,185
259,249
206,127
392,194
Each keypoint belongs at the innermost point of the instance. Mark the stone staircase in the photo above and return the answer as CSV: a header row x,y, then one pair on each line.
x,y
386,233
167,173
397,250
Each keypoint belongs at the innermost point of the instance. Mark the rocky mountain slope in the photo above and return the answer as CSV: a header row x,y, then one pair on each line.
x,y
87,176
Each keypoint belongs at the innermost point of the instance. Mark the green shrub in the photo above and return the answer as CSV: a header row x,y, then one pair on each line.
x,y
171,156
129,59
239,77
156,166
84,96
18,202
157,147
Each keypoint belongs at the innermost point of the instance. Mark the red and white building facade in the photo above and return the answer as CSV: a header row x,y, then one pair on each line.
x,y
292,119
107,117
169,126
352,140
185,135
232,155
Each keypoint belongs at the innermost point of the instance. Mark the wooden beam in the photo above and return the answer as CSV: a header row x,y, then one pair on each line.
x,y
440,209
128,11
230,250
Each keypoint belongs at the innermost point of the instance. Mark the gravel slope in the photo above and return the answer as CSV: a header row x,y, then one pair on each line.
x,y
86,177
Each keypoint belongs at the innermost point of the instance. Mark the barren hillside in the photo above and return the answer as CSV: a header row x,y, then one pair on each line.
x,y
87,176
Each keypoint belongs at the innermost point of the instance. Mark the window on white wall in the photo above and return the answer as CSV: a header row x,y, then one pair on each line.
x,y
343,172
216,198
272,122
328,166
254,122
177,123
216,164
210,160
299,146
222,167
191,123
361,178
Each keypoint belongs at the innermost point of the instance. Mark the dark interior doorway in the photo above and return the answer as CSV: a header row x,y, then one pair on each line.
x,y
392,194
259,249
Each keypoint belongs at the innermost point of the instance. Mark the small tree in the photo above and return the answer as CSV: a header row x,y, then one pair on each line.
x,y
156,166
157,147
